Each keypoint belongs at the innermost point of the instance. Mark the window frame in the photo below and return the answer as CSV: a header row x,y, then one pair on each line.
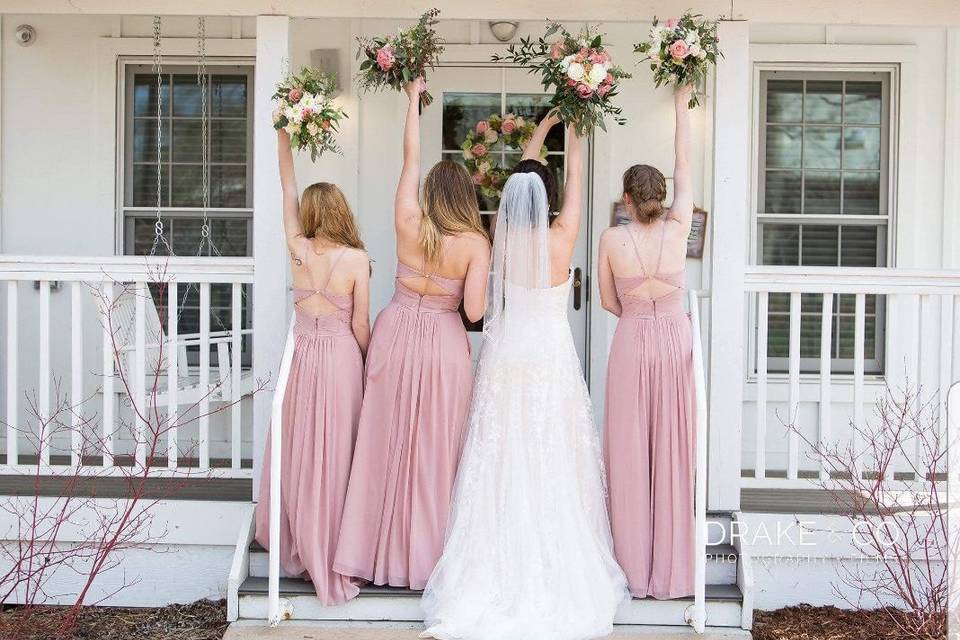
x,y
889,74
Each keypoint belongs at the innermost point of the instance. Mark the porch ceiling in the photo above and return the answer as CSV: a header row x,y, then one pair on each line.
x,y
873,12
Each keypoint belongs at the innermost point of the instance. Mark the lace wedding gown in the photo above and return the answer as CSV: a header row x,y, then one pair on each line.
x,y
528,554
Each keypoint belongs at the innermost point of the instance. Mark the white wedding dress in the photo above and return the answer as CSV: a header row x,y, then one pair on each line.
x,y
528,554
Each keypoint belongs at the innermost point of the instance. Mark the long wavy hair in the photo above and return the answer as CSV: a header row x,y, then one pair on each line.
x,y
449,207
324,213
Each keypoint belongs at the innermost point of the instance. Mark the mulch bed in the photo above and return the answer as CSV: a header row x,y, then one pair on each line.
x,y
806,622
202,620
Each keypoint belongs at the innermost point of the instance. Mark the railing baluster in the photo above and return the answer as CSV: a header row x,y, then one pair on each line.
x,y
140,372
826,334
45,436
946,362
700,486
236,326
76,373
858,335
13,419
760,470
173,352
204,376
108,368
792,436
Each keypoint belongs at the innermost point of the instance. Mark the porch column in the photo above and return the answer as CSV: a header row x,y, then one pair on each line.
x,y
730,228
270,268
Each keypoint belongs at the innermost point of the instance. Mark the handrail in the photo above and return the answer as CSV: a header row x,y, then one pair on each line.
x,y
274,613
698,620
870,280
126,268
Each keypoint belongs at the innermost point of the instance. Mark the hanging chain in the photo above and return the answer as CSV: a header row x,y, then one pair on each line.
x,y
158,235
203,82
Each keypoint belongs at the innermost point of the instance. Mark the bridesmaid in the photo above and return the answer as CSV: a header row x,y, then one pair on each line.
x,y
419,376
331,287
649,424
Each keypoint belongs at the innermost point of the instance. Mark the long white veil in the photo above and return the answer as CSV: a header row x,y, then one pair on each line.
x,y
521,253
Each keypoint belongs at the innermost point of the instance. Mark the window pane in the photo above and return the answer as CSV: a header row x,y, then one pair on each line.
x,y
144,232
533,107
462,111
819,245
861,104
846,334
821,192
187,142
783,147
186,96
230,236
228,186
187,185
781,244
145,185
823,101
810,324
784,101
782,192
145,140
861,193
145,95
861,246
778,336
861,148
228,141
228,96
821,148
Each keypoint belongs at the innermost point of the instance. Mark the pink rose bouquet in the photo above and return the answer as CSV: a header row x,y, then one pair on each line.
x,y
681,50
495,133
578,69
393,61
304,109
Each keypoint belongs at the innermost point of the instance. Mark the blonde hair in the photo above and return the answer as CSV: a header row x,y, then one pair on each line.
x,y
324,212
449,206
647,189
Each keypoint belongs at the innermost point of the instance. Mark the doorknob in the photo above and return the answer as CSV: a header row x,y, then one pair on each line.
x,y
577,288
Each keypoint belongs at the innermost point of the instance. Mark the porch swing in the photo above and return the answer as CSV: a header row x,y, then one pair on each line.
x,y
188,391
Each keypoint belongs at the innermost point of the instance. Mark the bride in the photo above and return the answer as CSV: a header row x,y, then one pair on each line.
x,y
528,553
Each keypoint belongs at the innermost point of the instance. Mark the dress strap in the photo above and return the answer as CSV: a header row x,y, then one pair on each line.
x,y
636,250
663,235
333,265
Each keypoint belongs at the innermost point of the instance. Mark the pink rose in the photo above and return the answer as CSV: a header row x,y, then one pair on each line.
x,y
385,58
294,95
607,58
584,91
679,50
671,23
482,127
603,90
609,79
478,150
580,57
597,57
325,124
306,113
494,179
571,82
477,179
556,50
508,126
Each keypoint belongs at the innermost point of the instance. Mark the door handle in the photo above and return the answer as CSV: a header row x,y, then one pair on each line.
x,y
577,288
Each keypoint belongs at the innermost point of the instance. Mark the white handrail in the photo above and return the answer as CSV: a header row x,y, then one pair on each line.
x,y
700,497
274,614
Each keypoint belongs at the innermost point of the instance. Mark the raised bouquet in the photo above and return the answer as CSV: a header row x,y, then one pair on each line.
x,y
393,61
681,51
305,110
580,72
510,131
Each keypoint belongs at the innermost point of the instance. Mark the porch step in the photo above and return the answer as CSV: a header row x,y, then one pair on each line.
x,y
724,603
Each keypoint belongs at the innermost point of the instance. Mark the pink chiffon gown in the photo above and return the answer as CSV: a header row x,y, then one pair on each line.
x,y
418,387
649,437
320,414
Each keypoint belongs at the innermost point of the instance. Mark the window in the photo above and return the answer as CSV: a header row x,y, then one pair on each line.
x,y
823,199
180,168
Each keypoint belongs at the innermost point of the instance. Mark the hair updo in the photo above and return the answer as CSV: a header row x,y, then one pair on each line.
x,y
647,189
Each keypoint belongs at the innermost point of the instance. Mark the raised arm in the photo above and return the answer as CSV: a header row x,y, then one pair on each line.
x,y
682,207
567,222
475,283
608,287
292,229
360,322
532,151
406,205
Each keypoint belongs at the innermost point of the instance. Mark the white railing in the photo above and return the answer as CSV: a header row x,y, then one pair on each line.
x,y
141,362
699,618
916,308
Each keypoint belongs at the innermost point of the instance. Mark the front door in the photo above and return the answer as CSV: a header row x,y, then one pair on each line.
x,y
465,95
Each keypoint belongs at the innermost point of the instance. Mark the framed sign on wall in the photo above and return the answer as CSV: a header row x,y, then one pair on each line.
x,y
698,228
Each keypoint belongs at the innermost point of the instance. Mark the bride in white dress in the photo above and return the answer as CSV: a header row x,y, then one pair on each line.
x,y
529,554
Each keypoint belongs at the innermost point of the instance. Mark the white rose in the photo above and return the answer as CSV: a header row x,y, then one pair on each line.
x,y
276,114
695,50
313,129
693,38
565,63
575,71
490,136
598,74
293,114
292,128
483,167
467,154
701,55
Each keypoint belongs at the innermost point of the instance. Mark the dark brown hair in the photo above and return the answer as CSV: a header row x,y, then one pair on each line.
x,y
647,189
324,212
449,206
531,165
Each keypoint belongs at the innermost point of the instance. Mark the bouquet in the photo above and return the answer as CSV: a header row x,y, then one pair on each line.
x,y
578,69
305,110
393,61
510,131
681,51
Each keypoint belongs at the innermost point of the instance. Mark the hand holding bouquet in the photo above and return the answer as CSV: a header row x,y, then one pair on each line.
x,y
393,61
579,70
306,112
511,131
681,51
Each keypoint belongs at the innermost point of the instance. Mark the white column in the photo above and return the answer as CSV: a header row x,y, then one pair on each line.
x,y
270,276
730,227
951,160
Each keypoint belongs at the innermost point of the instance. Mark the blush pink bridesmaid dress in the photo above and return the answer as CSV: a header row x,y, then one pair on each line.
x,y
649,436
320,414
418,388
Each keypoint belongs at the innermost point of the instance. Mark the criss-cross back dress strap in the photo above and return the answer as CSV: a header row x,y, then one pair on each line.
x,y
636,250
432,276
323,290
